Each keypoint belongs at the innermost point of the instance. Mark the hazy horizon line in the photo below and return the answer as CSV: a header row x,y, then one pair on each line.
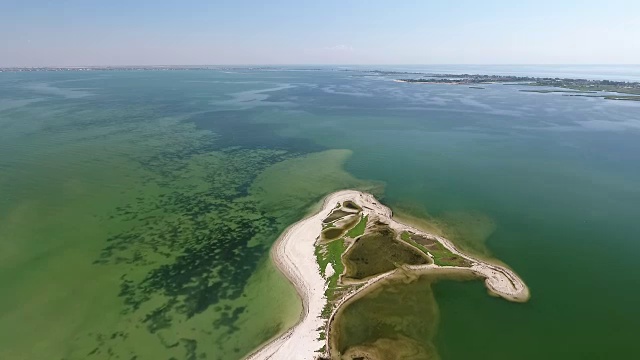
x,y
325,65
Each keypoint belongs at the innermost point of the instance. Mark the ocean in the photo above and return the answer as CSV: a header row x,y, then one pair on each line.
x,y
137,208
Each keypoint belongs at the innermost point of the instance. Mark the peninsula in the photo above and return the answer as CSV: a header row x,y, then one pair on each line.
x,y
349,245
583,87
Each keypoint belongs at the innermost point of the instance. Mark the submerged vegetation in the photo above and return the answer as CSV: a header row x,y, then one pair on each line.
x,y
158,219
397,319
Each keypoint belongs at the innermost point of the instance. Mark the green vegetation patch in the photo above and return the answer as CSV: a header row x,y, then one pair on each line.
x,y
335,249
406,237
358,230
441,255
334,232
330,253
379,252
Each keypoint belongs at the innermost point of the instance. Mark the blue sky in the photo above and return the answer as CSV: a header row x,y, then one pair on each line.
x,y
88,32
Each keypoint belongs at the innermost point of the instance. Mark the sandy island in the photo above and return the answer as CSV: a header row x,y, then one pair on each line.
x,y
294,255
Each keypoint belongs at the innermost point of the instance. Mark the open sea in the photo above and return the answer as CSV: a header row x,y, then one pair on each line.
x,y
137,208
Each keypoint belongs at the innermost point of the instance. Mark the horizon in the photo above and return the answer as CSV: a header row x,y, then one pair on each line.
x,y
147,33
312,64
612,72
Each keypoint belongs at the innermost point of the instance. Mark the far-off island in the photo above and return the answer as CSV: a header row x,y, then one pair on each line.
x,y
351,244
607,89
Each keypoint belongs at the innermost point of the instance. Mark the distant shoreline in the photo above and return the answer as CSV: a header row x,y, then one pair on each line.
x,y
631,90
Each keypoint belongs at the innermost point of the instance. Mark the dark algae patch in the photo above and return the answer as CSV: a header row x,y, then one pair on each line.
x,y
201,259
213,227
377,252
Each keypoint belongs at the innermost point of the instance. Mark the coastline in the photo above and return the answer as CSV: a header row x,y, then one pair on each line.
x,y
297,262
293,254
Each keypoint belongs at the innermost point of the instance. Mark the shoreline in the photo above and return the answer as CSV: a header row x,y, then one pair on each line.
x,y
297,261
294,255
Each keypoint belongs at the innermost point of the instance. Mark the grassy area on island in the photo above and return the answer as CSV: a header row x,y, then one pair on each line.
x,y
330,254
335,249
340,227
333,245
378,252
358,230
441,255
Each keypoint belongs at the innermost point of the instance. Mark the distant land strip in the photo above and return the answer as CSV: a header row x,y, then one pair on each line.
x,y
586,86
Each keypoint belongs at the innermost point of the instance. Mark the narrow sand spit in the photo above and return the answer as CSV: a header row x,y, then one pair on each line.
x,y
294,255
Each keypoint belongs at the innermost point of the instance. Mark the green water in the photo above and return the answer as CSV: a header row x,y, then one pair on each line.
x,y
126,231
397,319
137,208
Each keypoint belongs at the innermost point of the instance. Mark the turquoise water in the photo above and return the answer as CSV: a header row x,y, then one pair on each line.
x,y
92,157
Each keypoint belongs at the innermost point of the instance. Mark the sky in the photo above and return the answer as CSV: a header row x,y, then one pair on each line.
x,y
210,32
